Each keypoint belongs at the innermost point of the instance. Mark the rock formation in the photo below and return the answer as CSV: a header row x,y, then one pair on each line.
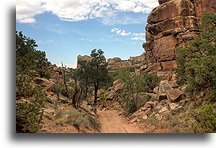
x,y
116,63
82,58
173,23
135,64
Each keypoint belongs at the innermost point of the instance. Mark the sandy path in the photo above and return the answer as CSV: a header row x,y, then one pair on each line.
x,y
112,122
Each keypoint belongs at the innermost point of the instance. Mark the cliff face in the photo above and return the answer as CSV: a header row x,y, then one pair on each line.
x,y
173,23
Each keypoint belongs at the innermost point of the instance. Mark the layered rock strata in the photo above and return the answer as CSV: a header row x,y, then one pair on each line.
x,y
173,23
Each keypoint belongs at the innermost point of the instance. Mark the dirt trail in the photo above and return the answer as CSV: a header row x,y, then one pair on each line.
x,y
112,122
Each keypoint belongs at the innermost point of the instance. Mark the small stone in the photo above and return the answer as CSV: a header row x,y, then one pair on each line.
x,y
134,120
145,117
164,109
173,106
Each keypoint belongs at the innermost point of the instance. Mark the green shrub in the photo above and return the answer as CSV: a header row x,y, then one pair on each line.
x,y
134,85
59,89
28,117
205,120
131,69
146,82
77,119
129,106
29,113
196,63
59,114
23,87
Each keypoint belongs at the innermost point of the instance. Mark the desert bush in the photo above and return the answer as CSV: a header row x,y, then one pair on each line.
x,y
134,86
146,82
59,114
196,63
23,86
59,89
28,117
205,120
102,100
129,106
77,119
39,96
29,113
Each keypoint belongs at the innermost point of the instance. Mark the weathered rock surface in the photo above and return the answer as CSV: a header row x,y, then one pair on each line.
x,y
165,91
173,23
111,93
136,63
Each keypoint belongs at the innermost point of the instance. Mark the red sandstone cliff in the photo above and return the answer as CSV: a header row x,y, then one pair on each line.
x,y
173,23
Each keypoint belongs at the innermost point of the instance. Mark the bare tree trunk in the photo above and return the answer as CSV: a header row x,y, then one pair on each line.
x,y
79,100
86,88
64,80
74,97
95,95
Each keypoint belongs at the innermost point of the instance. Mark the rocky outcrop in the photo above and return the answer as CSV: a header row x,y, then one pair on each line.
x,y
138,58
135,64
173,23
82,58
165,102
117,63
166,91
111,92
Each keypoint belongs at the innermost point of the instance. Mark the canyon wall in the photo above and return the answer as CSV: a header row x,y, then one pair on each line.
x,y
173,23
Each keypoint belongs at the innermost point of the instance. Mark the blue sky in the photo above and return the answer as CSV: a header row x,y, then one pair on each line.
x,y
67,30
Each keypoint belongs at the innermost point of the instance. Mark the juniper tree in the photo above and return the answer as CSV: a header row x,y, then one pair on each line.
x,y
196,63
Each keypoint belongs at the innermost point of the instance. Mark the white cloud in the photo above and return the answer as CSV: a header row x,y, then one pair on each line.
x,y
27,20
124,19
26,10
120,32
133,36
138,38
77,10
138,34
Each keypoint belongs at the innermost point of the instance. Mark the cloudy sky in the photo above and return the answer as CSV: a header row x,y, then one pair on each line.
x,y
68,28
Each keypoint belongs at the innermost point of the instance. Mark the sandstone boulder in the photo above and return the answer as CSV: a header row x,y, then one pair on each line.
x,y
111,92
167,92
164,109
173,94
145,117
173,106
117,85
163,87
156,89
